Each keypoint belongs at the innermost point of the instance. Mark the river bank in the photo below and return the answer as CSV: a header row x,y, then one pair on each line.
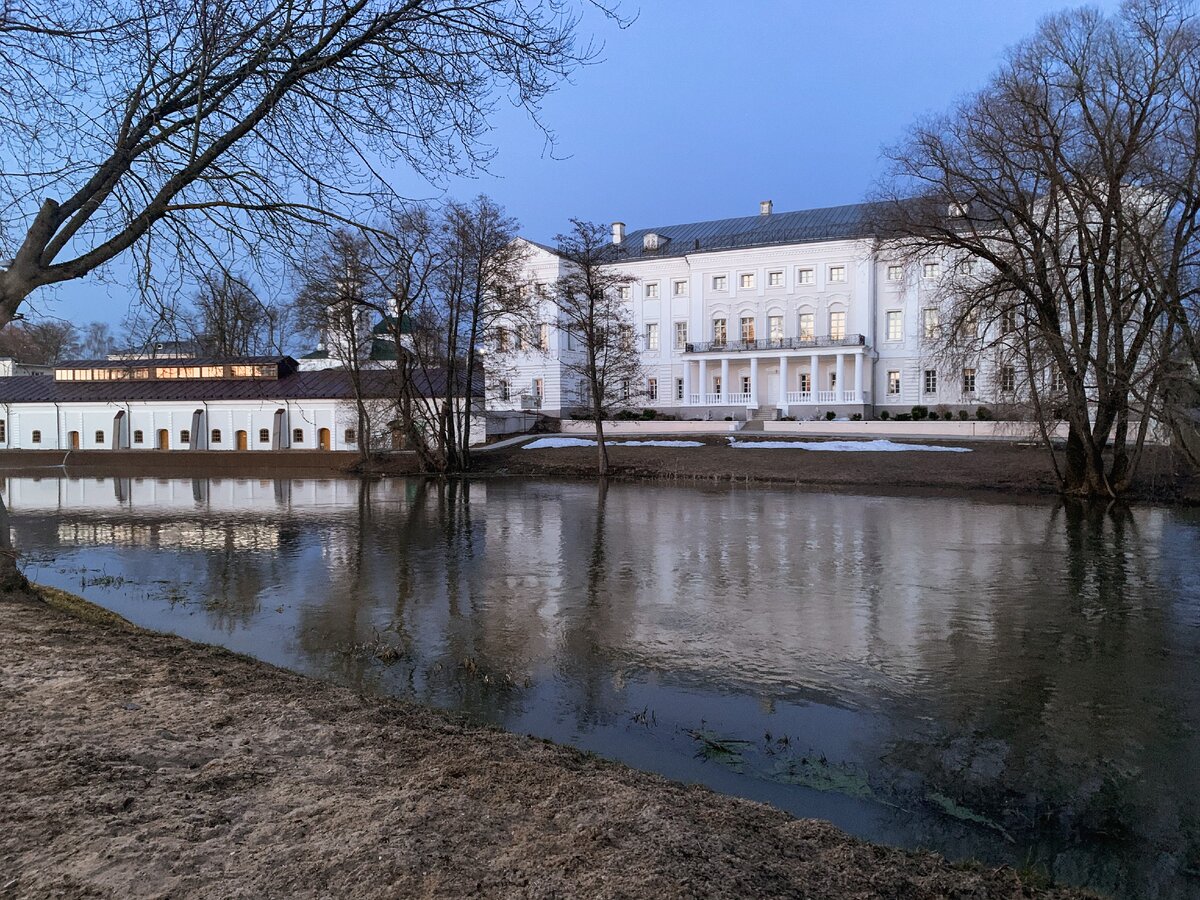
x,y
141,765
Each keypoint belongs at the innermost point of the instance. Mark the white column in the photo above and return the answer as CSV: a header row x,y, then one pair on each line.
x,y
841,381
703,380
687,382
813,387
724,379
858,377
783,384
754,381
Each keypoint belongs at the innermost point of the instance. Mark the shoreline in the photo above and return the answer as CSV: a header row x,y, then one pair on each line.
x,y
141,764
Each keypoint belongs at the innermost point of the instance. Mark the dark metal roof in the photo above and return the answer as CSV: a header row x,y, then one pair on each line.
x,y
806,226
327,384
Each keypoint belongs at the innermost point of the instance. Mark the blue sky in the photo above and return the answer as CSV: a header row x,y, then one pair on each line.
x,y
702,108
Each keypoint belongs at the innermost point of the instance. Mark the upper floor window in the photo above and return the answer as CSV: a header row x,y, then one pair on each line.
x,y
931,270
746,280
747,326
625,336
720,283
837,274
502,339
543,337
679,287
651,335
895,325
504,390
807,326
718,331
1008,321
895,273
1057,381
774,279
775,328
652,290
1008,378
837,325
624,292
805,276
680,335
929,322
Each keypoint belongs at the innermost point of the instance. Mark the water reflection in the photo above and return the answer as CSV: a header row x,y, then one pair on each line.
x,y
1013,682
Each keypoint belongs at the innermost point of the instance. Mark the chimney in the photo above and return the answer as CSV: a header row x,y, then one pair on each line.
x,y
618,233
764,208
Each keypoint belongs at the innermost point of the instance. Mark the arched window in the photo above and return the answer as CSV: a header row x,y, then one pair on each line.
x,y
138,437
216,436
36,437
185,436
264,435
297,435
351,437
99,437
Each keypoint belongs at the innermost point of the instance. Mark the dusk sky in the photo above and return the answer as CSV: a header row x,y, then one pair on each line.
x,y
702,108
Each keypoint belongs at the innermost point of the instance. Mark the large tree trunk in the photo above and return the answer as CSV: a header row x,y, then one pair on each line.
x,y
11,579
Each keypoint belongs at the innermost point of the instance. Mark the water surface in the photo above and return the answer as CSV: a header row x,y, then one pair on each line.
x,y
1011,682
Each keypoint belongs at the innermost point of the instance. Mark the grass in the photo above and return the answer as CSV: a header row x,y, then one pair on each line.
x,y
81,609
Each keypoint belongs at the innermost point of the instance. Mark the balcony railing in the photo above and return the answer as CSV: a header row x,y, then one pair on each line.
x,y
792,343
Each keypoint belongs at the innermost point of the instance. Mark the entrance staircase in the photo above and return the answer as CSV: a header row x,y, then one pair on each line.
x,y
760,415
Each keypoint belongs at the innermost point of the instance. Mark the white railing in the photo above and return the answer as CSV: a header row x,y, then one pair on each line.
x,y
827,397
799,397
849,396
738,399
694,400
713,400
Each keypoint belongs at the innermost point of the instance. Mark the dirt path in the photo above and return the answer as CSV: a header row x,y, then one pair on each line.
x,y
141,765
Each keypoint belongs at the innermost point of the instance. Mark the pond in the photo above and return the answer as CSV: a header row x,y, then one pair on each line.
x,y
1013,682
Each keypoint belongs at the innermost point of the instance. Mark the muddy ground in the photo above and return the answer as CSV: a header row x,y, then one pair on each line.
x,y
141,765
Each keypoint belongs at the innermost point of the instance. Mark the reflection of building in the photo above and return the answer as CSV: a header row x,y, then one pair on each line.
x,y
242,403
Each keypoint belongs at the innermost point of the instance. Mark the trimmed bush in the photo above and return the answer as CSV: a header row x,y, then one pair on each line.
x,y
830,416
919,413
948,416
903,417
729,418
963,415
884,415
857,417
649,414
983,414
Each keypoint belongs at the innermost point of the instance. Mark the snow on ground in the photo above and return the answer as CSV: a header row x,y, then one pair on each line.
x,y
548,443
845,446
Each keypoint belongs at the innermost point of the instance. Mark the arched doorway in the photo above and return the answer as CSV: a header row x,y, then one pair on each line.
x,y
73,440
323,439
164,439
243,442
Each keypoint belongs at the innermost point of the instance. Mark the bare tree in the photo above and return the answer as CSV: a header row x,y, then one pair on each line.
x,y
603,352
41,343
229,318
1044,192
97,340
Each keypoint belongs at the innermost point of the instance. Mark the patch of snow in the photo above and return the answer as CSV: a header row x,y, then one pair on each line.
x,y
658,443
549,443
846,446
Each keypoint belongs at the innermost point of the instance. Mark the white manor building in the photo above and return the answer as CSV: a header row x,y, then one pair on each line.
x,y
780,314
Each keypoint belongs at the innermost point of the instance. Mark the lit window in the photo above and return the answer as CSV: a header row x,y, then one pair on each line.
x,y
805,382
350,436
931,270
895,273
895,325
99,437
968,381
625,292
893,383
651,335
716,384
775,328
837,325
679,287
216,436
747,326
718,331
929,323
837,274
805,276
678,388
1008,378
720,283
652,388
807,326
652,290
264,436
36,437
746,280
297,435
680,335
138,437
931,381
185,436
774,279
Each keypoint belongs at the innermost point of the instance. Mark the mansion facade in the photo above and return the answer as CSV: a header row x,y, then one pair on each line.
x,y
779,314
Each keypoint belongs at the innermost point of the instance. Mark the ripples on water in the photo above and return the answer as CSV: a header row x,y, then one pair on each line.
x,y
1012,682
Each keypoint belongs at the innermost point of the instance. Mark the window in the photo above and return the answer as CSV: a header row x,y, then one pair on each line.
x,y
774,279
543,337
36,437
625,336
716,384
837,274
807,327
837,325
264,436
138,437
931,381
805,382
720,283
775,328
970,325
651,290
624,388
99,437
505,390
185,436
680,335
350,436
747,328
895,325
746,280
1008,378
718,331
895,273
297,435
539,388
1008,321
502,339
745,384
679,287
1057,381
678,388
805,276
931,270
215,437
929,322
893,383
651,335
968,381
3,430
523,338
652,388
624,292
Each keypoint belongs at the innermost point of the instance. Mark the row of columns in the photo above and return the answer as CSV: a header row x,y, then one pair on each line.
x,y
813,360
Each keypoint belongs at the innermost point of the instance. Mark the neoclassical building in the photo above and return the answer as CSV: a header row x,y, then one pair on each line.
x,y
775,314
